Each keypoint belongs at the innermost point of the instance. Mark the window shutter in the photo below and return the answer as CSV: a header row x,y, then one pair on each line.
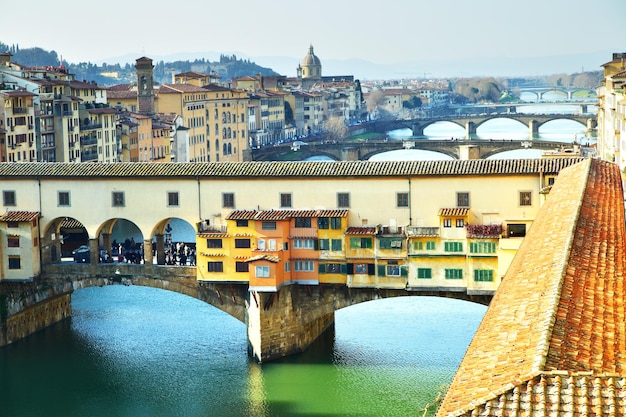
x,y
404,271
370,269
350,268
381,270
321,268
343,268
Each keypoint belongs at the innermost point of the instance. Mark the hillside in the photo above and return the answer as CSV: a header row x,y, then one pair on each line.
x,y
228,67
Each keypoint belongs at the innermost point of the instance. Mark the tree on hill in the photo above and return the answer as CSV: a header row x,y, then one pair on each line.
x,y
479,89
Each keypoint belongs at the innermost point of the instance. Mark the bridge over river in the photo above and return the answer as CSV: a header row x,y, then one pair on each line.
x,y
553,338
472,122
364,150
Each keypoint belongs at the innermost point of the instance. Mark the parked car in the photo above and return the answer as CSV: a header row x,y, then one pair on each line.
x,y
81,248
81,254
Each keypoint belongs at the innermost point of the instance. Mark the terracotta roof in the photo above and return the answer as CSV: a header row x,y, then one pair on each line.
x,y
276,215
554,337
365,230
70,223
179,88
271,258
18,216
454,212
292,169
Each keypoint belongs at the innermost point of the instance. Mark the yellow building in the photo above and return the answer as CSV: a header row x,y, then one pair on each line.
x,y
19,246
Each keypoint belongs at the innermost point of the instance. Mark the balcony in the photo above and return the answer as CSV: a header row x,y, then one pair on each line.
x,y
20,110
90,126
88,156
88,141
415,231
484,231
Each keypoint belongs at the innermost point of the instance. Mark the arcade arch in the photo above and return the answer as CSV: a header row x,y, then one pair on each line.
x,y
171,241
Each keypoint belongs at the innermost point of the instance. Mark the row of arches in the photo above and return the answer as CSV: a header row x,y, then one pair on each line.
x,y
170,242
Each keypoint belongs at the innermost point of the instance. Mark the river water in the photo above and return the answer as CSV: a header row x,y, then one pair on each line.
x,y
134,352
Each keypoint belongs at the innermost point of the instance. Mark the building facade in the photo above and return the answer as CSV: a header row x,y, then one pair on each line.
x,y
612,112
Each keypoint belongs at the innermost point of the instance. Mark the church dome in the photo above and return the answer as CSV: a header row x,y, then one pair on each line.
x,y
311,59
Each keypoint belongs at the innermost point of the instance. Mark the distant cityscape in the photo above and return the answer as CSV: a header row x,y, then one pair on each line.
x,y
203,111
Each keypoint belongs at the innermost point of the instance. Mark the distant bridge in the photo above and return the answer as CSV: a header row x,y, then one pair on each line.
x,y
565,91
364,150
472,122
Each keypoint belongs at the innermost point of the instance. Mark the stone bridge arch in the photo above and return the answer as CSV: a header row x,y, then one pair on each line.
x,y
452,152
60,236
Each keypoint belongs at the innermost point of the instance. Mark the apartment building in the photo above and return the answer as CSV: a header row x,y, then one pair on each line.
x,y
51,117
612,112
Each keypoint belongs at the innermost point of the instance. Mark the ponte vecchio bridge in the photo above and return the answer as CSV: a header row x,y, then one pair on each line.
x,y
553,338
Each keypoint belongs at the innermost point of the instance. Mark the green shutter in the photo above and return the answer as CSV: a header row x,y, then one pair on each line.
x,y
404,271
381,270
321,268
343,268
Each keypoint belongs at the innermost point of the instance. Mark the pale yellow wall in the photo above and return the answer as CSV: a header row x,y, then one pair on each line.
x,y
28,252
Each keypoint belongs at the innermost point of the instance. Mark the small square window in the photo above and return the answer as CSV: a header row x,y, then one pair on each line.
x,y
460,223
447,222
303,222
228,200
118,198
172,199
15,262
262,271
525,198
462,199
285,200
13,241
241,266
8,198
215,267
343,200
64,198
402,199
268,226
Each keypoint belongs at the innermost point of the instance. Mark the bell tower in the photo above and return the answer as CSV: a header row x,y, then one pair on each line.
x,y
145,85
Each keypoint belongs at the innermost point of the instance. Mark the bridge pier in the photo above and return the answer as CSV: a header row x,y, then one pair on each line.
x,y
417,129
470,129
287,322
351,154
533,128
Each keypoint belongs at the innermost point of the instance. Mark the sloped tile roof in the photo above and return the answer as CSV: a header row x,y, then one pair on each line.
x,y
364,230
291,169
264,257
454,212
276,215
556,325
18,216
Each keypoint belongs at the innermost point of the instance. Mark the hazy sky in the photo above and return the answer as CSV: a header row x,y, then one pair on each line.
x,y
388,31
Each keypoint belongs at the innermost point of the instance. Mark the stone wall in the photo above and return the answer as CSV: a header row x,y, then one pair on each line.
x,y
35,318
